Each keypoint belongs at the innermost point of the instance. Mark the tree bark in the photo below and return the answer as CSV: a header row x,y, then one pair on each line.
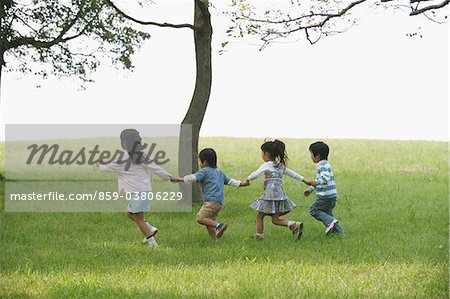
x,y
200,98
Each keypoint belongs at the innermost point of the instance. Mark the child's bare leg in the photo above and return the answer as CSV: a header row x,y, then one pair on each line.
x,y
210,226
278,221
139,219
260,222
211,232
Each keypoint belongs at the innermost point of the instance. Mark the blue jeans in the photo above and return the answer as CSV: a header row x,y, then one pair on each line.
x,y
322,210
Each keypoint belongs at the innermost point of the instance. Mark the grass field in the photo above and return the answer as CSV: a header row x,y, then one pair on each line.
x,y
393,204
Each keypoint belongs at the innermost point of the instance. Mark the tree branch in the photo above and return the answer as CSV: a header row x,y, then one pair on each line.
x,y
309,38
430,7
410,1
23,21
23,41
148,22
325,20
327,16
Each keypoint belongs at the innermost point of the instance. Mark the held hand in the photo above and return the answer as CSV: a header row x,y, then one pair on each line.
x,y
175,179
306,193
244,183
310,183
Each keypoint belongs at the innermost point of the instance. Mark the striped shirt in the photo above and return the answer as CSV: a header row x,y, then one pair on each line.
x,y
325,184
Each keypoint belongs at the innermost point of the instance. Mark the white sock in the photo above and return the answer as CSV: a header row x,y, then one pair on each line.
x,y
148,225
290,223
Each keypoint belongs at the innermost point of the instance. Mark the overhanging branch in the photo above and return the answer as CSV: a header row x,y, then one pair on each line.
x,y
148,22
430,7
326,15
24,41
325,20
417,11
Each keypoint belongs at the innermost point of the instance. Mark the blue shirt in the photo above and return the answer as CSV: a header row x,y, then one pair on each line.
x,y
212,181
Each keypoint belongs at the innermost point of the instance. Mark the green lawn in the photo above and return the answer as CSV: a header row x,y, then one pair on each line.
x,y
393,205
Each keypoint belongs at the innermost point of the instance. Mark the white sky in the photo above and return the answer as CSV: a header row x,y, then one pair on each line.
x,y
370,82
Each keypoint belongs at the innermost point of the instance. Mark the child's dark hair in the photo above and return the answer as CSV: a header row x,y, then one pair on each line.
x,y
320,148
209,155
277,151
131,142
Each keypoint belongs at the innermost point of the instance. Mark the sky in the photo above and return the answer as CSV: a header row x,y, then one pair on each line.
x,y
371,82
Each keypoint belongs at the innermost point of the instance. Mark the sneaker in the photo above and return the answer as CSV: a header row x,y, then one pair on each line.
x,y
145,240
153,230
220,229
292,227
298,231
330,227
152,242
258,237
338,230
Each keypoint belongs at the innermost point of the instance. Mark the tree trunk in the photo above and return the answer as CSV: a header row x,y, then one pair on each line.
x,y
188,151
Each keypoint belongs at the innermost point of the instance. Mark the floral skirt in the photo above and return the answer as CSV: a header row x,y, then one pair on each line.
x,y
273,206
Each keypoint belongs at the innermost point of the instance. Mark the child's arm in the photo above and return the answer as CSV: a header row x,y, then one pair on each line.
x,y
295,175
175,179
323,176
110,167
190,178
308,191
235,183
158,170
258,172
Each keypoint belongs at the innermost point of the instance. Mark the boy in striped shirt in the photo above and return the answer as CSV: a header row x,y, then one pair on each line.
x,y
325,186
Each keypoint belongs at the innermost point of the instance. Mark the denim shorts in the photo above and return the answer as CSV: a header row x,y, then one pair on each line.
x,y
139,202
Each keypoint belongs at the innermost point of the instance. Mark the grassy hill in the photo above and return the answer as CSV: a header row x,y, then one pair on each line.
x,y
393,204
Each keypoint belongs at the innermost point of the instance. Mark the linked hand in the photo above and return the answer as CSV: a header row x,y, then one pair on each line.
x,y
245,183
310,183
175,179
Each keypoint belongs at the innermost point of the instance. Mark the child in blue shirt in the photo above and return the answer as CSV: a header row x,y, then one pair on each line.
x,y
325,186
212,181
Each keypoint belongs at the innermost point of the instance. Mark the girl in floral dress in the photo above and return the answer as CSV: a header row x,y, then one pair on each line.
x,y
274,202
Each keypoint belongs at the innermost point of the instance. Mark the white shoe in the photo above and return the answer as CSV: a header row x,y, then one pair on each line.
x,y
148,240
258,237
331,227
151,242
153,230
